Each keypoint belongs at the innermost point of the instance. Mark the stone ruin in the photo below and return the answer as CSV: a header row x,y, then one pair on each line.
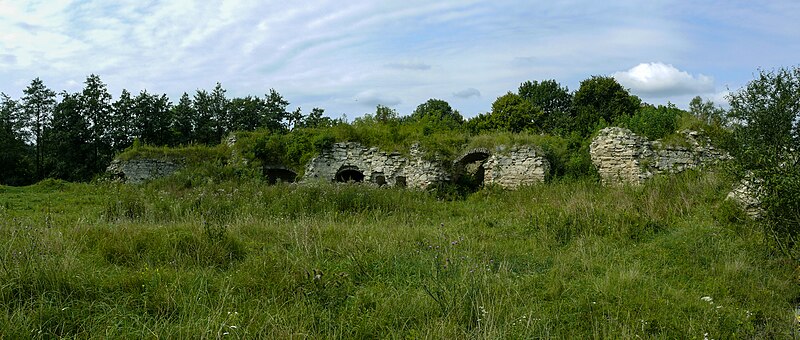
x,y
508,168
352,162
141,170
621,156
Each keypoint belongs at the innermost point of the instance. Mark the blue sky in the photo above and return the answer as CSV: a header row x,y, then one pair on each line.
x,y
349,56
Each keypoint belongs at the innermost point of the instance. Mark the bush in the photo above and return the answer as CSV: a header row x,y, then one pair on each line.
x,y
768,142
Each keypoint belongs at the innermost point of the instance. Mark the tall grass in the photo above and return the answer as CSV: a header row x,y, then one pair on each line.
x,y
240,258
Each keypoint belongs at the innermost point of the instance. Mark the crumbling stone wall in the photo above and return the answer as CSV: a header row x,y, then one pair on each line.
x,y
521,165
141,170
745,194
621,156
376,166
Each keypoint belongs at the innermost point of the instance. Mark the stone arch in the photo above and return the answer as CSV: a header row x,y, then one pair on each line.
x,y
469,167
472,156
349,173
279,174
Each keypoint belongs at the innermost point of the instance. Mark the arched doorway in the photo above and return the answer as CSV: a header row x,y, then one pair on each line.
x,y
469,170
279,175
349,174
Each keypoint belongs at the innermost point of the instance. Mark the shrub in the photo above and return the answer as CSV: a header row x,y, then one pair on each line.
x,y
768,142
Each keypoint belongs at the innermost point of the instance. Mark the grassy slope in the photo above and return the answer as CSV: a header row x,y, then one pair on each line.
x,y
563,260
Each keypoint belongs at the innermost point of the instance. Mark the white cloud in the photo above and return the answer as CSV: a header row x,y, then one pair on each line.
x,y
663,80
467,93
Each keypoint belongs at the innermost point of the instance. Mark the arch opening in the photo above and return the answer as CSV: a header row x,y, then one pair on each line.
x,y
349,174
469,170
279,175
378,178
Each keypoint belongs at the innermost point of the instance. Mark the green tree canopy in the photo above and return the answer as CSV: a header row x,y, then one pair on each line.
x,y
602,100
274,112
767,111
38,104
13,153
95,106
438,114
153,118
554,102
707,112
69,140
183,115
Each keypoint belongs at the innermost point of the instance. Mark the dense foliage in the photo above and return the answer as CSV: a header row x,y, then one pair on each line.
x,y
767,111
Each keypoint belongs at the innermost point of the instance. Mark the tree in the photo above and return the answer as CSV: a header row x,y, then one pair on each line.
x,y
95,105
385,114
295,118
122,122
602,100
510,112
70,141
439,113
244,113
218,106
153,118
767,113
315,119
204,119
183,121
707,112
38,103
274,111
13,153
554,102
654,122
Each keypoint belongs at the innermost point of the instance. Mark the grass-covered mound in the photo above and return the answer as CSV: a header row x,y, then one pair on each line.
x,y
567,259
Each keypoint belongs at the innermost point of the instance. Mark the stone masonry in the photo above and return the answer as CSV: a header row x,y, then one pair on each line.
x,y
522,165
621,156
141,170
376,166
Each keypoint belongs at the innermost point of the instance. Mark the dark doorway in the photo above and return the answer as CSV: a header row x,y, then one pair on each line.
x,y
279,175
400,181
379,178
469,170
349,174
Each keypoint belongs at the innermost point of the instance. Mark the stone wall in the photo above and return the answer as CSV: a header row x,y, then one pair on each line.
x,y
621,156
745,194
522,165
376,166
141,170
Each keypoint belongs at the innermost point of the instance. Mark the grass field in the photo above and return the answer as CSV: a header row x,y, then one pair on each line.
x,y
242,259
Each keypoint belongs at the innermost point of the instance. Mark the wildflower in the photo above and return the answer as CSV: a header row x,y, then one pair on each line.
x,y
707,299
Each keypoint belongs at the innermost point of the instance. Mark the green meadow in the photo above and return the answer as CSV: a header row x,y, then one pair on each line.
x,y
238,258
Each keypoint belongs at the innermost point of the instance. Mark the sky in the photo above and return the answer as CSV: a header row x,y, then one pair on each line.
x,y
349,56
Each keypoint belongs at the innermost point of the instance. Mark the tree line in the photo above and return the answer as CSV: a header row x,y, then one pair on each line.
x,y
74,136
